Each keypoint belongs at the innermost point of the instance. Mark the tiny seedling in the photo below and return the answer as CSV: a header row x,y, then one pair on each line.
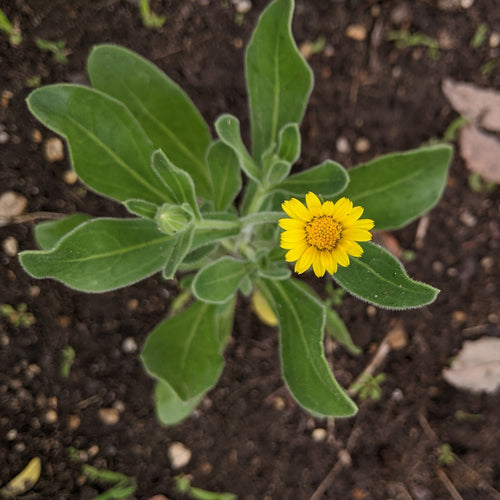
x,y
464,416
183,485
479,185
68,355
150,19
11,30
488,67
479,36
19,316
451,133
368,387
121,486
446,456
404,39
57,48
34,81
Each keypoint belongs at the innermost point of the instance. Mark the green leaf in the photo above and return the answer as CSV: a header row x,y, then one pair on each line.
x,y
178,252
305,369
279,81
184,351
163,109
109,150
141,208
178,183
225,172
327,179
336,328
219,280
228,129
289,143
379,278
47,234
277,171
170,408
397,188
102,255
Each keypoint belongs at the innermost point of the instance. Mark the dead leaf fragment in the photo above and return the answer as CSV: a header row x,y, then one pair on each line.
x,y
481,152
476,367
24,481
478,105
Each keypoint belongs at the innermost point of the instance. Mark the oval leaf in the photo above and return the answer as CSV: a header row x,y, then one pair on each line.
x,y
305,369
219,280
379,278
279,81
109,150
163,109
47,234
396,188
327,179
102,254
184,351
224,168
170,408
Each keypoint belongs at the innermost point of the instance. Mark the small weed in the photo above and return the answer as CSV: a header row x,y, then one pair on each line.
x,y
19,316
463,416
34,81
450,134
445,455
183,485
11,30
404,39
488,67
68,355
149,19
369,387
121,486
479,185
479,36
58,49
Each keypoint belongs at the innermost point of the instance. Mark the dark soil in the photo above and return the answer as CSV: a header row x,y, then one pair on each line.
x,y
242,440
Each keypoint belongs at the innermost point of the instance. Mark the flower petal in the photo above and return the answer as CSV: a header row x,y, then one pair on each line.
x,y
296,252
291,224
313,204
327,261
295,209
318,267
305,261
355,234
327,208
340,256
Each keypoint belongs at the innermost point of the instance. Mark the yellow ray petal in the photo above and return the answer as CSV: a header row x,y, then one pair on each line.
x,y
295,253
355,234
295,209
291,224
313,204
305,261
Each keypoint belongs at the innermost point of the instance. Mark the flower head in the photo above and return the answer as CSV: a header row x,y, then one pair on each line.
x,y
322,234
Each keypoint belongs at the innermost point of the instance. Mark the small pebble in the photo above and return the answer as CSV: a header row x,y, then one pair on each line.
x,y
279,403
329,51
452,272
119,406
5,98
54,149
362,145
109,416
468,219
487,263
4,137
132,304
438,267
93,451
401,14
397,395
342,145
238,43
206,467
36,135
129,345
242,6
459,316
10,246
371,311
63,321
12,204
11,435
51,416
494,40
356,32
179,455
466,4
70,177
74,422
19,447
33,370
34,291
318,435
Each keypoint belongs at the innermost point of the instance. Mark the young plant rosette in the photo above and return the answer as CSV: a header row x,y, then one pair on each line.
x,y
136,137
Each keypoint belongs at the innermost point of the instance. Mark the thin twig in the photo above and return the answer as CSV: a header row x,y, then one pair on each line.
x,y
21,219
448,484
344,460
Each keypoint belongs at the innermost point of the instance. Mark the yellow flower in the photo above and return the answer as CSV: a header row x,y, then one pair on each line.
x,y
322,235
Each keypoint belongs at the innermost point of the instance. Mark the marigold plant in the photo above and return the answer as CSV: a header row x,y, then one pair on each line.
x,y
136,137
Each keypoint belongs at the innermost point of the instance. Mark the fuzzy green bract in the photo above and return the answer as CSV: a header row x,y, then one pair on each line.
x,y
136,137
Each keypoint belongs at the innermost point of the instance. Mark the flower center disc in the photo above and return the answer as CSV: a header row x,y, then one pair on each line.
x,y
323,232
